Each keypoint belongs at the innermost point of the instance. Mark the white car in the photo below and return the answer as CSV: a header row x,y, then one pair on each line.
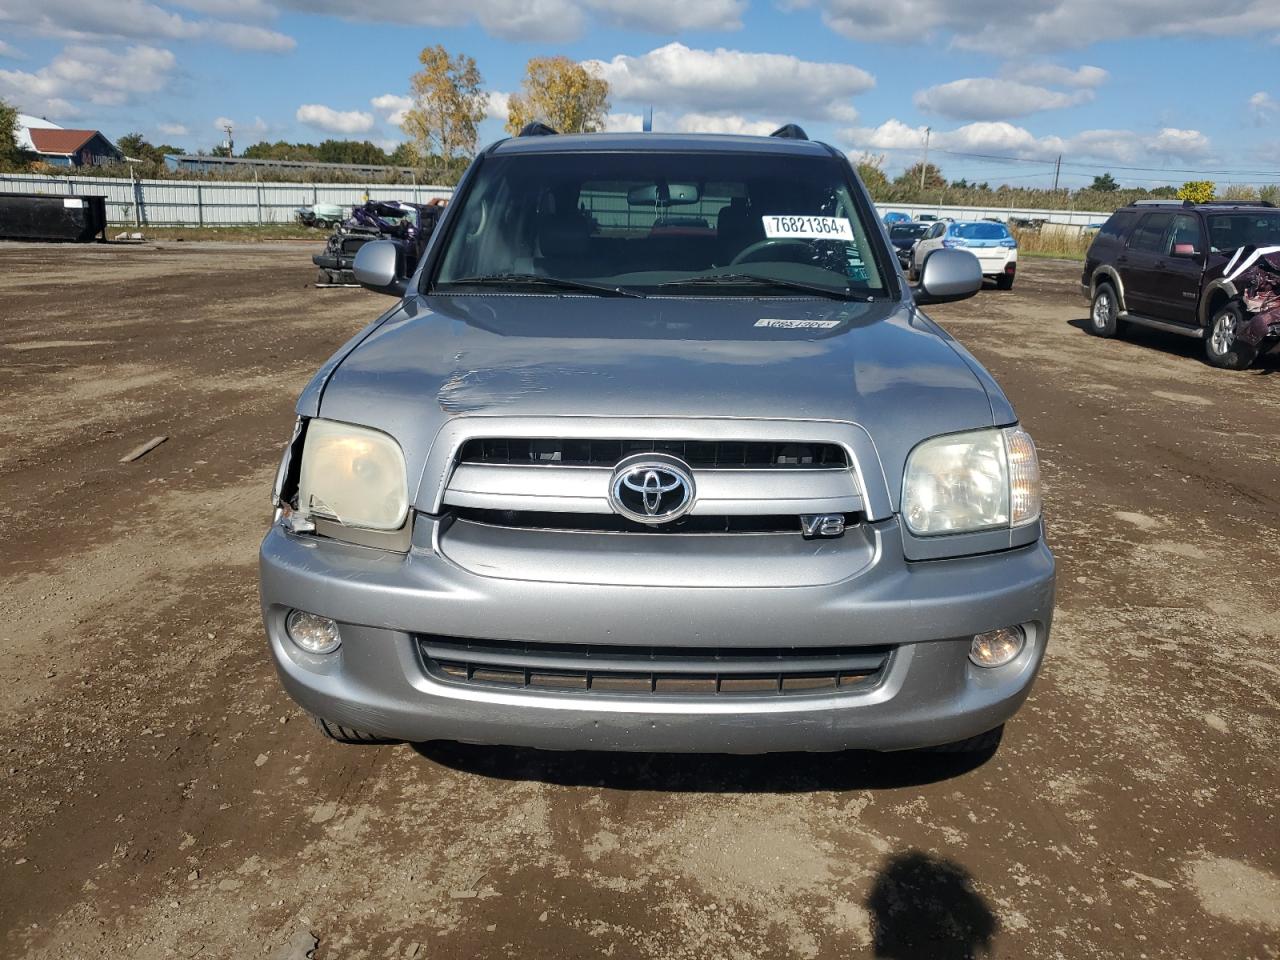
x,y
992,243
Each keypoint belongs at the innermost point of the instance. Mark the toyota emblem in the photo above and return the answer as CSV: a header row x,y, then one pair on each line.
x,y
651,488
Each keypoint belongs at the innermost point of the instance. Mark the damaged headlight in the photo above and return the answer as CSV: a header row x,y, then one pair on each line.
x,y
968,482
352,475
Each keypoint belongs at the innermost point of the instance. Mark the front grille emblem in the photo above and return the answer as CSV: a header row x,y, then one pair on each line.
x,y
651,488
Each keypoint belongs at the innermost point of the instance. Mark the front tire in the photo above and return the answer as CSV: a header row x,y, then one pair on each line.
x,y
343,734
1222,348
1104,313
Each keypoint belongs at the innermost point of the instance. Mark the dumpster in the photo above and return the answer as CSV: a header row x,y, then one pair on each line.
x,y
42,216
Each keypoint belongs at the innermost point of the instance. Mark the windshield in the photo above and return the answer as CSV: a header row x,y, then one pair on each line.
x,y
979,231
908,231
1230,230
682,224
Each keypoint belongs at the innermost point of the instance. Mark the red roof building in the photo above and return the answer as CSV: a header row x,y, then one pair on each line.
x,y
74,148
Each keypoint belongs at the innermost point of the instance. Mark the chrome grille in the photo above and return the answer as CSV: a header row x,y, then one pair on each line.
x,y
699,454
647,671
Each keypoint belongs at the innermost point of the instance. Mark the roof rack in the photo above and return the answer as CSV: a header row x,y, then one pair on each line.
x,y
1203,203
537,129
790,131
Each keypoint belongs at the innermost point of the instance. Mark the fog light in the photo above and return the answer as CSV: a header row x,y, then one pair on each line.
x,y
313,633
995,648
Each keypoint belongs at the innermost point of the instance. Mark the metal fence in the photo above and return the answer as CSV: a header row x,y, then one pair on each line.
x,y
218,203
226,203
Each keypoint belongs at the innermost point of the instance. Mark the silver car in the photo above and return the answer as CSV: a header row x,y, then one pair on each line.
x,y
656,451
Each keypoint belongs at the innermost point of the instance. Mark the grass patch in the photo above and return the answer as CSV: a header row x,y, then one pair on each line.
x,y
1051,243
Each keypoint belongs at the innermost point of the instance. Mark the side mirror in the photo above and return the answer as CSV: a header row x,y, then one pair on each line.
x,y
948,275
376,268
1185,250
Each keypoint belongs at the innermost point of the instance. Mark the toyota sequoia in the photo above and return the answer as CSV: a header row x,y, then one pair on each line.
x,y
655,450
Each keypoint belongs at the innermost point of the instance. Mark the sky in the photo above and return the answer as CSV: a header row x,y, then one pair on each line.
x,y
1153,91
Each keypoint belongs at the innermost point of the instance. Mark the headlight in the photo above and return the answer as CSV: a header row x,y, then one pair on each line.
x,y
967,482
353,475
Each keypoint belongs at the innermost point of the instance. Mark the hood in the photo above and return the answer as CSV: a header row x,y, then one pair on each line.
x,y
881,365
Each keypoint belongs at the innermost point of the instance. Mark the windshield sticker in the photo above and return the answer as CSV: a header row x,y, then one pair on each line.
x,y
799,324
808,228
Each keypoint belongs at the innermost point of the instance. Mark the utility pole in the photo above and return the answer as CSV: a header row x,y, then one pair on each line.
x,y
924,167
231,144
1057,170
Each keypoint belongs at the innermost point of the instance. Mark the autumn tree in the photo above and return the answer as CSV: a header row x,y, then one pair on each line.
x,y
1197,191
870,168
933,178
561,93
448,104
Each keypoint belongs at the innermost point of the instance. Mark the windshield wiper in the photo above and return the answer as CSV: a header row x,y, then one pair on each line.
x,y
496,279
755,279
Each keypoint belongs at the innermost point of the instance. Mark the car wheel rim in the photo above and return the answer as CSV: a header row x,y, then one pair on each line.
x,y
1101,311
1224,334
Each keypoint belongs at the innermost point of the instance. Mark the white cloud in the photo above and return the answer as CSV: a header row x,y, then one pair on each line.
x,y
1007,140
987,98
132,20
623,123
539,20
1055,75
81,72
173,129
671,16
691,123
724,123
392,106
1263,107
1181,144
544,20
496,108
10,52
1000,27
346,122
731,81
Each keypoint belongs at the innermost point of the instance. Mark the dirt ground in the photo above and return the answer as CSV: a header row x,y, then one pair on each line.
x,y
161,797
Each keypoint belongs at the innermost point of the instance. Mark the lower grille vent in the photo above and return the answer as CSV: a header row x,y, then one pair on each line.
x,y
644,671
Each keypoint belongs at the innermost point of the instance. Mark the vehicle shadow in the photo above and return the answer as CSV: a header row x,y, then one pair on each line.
x,y
1264,365
705,773
925,907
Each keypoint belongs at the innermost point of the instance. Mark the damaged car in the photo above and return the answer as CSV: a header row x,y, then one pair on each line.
x,y
408,226
321,215
1201,270
657,450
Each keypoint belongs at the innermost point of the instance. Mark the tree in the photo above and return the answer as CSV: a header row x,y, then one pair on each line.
x,y
404,155
1240,191
1197,191
134,146
351,151
1104,184
933,178
561,93
448,103
10,154
870,168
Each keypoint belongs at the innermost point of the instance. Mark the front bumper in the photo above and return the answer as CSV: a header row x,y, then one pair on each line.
x,y
929,693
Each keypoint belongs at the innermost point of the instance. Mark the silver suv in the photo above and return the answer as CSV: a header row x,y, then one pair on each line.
x,y
655,451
